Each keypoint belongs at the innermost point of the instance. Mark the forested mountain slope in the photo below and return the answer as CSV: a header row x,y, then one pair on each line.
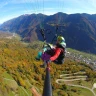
x,y
20,71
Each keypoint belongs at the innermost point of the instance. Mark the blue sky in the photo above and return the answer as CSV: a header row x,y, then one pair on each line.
x,y
13,8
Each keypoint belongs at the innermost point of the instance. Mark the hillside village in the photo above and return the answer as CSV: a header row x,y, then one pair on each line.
x,y
90,60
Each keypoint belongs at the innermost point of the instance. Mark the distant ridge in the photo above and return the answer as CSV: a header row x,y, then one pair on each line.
x,y
79,30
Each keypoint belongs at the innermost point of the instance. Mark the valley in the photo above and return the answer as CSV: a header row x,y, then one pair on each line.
x,y
20,72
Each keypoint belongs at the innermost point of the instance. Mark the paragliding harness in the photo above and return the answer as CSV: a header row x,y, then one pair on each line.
x,y
50,51
60,59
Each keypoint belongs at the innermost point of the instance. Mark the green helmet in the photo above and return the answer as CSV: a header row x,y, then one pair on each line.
x,y
60,38
61,43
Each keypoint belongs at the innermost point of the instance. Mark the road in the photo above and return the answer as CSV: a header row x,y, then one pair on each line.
x,y
64,79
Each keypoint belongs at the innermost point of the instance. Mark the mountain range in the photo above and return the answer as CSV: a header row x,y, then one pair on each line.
x,y
79,30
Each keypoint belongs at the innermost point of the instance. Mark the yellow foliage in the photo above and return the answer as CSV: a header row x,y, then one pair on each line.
x,y
22,82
